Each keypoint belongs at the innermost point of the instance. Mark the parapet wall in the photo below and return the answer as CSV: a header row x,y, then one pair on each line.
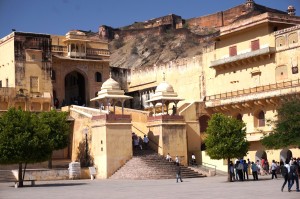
x,y
218,19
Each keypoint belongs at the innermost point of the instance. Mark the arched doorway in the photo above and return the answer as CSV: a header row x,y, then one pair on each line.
x,y
75,89
203,124
285,154
259,155
203,121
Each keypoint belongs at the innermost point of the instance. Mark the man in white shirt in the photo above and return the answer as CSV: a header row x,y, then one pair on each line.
x,y
146,141
176,160
273,168
169,158
285,174
193,159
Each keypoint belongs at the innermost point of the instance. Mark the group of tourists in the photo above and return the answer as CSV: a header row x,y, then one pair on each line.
x,y
240,170
138,142
290,171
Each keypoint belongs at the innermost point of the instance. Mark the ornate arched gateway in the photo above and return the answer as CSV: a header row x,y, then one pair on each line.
x,y
75,89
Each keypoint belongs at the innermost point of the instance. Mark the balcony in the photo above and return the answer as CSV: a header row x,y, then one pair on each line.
x,y
76,54
242,59
255,93
90,52
55,48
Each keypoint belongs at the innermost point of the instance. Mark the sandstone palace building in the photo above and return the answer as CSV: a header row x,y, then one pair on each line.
x,y
249,65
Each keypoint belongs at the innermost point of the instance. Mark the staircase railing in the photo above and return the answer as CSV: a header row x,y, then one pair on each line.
x,y
208,166
151,141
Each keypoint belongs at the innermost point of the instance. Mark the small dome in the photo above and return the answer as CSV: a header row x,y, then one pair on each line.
x,y
164,87
291,8
110,84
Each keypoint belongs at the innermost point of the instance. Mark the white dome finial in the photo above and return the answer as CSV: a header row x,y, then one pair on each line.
x,y
291,10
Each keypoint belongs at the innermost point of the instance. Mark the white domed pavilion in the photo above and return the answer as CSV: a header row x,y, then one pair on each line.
x,y
164,95
110,94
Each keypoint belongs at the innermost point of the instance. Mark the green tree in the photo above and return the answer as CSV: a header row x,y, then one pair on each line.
x,y
23,140
286,130
58,136
226,138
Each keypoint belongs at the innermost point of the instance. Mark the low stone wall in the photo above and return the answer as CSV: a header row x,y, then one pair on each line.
x,y
44,174
50,174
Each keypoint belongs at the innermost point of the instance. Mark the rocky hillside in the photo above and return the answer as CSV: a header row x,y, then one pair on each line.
x,y
148,47
167,38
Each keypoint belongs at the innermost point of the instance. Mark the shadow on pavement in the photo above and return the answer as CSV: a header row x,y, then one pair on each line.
x,y
53,185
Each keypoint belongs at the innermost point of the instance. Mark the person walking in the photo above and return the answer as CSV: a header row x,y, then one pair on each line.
x,y
178,173
285,169
296,176
292,176
274,168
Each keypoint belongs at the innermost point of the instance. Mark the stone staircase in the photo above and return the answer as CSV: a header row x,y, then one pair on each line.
x,y
7,176
146,164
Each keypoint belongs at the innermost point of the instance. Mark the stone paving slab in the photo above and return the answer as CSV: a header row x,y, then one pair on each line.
x,y
204,188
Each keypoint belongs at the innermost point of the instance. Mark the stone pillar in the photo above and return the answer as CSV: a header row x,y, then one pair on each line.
x,y
111,143
169,135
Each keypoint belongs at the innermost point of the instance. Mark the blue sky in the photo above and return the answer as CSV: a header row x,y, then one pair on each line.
x,y
60,16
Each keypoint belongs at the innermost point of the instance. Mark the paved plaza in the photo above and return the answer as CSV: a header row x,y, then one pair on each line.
x,y
209,187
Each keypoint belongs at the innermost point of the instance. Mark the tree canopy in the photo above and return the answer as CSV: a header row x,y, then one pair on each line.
x,y
286,130
59,128
27,137
226,138
58,135
23,138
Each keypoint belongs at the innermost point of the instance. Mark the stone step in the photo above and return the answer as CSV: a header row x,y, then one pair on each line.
x,y
146,164
7,176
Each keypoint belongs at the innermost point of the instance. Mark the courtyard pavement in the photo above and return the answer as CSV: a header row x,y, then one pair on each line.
x,y
204,188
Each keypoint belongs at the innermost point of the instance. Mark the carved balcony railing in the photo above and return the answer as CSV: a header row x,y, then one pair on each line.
x,y
255,90
90,52
93,52
241,59
55,48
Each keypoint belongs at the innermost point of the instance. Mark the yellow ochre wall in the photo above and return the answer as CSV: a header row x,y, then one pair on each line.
x,y
7,61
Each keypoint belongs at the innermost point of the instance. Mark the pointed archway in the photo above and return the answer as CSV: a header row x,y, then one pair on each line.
x,y
75,92
259,155
285,154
